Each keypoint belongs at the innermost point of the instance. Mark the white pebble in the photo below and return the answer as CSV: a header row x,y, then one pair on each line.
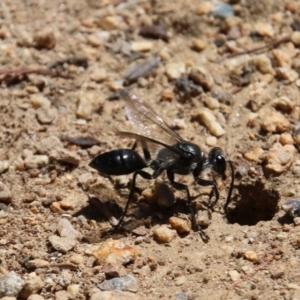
x,y
234,275
164,234
175,70
206,117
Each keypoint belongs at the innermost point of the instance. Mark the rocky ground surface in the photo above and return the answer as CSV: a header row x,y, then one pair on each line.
x,y
221,74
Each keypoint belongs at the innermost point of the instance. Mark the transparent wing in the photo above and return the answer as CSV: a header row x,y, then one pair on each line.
x,y
145,141
146,122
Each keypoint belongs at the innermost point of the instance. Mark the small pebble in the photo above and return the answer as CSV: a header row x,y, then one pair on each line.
x,y
46,145
24,39
94,40
296,221
224,251
181,296
38,100
37,263
282,58
4,166
76,259
241,171
264,29
11,285
32,286
247,269
278,271
273,121
204,8
36,161
282,236
251,255
180,280
198,44
279,159
5,193
62,295
179,124
98,75
254,155
287,73
258,98
114,252
44,38
187,88
110,22
33,89
126,283
203,218
283,103
42,192
212,103
65,278
72,201
85,180
65,156
234,275
55,207
180,225
46,115
295,38
263,63
286,139
211,141
222,10
154,32
141,46
203,77
143,69
164,234
207,118
149,195
88,103
175,70
228,239
141,230
66,229
62,244
114,295
292,208
73,290
114,270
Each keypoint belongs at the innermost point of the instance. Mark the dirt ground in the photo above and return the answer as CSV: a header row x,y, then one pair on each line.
x,y
61,64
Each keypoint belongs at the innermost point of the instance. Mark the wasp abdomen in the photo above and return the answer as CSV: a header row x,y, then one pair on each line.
x,y
118,162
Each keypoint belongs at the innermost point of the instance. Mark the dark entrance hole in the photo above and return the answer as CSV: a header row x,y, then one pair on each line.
x,y
254,203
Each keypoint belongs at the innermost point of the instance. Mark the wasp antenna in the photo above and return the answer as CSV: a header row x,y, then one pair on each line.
x,y
231,185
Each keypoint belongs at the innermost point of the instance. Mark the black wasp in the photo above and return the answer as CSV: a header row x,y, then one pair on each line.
x,y
173,155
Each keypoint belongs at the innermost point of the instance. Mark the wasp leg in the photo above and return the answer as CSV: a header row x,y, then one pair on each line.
x,y
131,193
145,149
180,186
204,182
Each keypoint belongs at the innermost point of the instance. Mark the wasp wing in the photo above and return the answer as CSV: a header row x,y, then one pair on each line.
x,y
146,140
146,122
150,145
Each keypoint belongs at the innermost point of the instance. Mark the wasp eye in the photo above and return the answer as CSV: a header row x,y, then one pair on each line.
x,y
219,164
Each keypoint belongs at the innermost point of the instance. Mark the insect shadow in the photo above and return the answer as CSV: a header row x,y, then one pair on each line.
x,y
163,150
